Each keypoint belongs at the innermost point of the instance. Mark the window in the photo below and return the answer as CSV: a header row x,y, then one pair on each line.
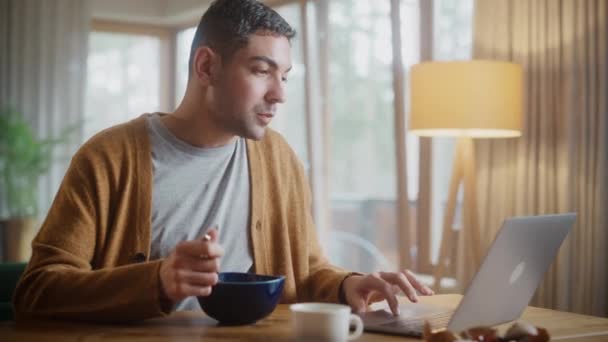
x,y
453,30
290,120
410,53
363,195
123,79
184,42
363,169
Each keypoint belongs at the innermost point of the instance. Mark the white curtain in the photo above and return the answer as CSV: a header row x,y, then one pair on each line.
x,y
43,53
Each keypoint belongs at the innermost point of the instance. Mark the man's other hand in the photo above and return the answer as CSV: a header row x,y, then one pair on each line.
x,y
360,291
191,268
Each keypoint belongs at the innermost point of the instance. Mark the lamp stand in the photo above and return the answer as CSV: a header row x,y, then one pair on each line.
x,y
463,171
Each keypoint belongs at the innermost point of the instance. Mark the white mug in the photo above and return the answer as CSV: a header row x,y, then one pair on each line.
x,y
324,322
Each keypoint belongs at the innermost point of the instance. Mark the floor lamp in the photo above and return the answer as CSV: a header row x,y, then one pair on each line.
x,y
467,100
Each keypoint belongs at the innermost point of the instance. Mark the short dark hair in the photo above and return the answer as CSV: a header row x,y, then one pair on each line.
x,y
227,24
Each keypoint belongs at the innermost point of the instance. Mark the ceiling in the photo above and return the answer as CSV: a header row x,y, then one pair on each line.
x,y
156,12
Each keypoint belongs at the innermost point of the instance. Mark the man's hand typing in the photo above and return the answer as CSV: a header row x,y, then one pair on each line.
x,y
360,291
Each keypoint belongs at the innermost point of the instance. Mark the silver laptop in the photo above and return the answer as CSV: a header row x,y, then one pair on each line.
x,y
516,262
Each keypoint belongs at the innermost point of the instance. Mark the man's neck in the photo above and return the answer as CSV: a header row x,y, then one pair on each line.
x,y
196,128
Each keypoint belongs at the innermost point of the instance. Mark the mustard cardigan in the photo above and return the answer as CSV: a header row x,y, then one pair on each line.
x,y
91,261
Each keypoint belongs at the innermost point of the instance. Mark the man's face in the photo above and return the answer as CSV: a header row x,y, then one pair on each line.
x,y
250,85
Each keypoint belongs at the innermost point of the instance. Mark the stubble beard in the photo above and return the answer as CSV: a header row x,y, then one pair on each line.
x,y
242,124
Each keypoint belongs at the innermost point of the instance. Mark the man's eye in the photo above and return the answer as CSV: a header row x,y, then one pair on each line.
x,y
261,72
284,79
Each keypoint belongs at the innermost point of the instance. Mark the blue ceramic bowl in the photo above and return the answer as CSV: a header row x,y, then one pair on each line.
x,y
242,298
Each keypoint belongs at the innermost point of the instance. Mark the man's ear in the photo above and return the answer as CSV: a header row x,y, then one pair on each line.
x,y
206,65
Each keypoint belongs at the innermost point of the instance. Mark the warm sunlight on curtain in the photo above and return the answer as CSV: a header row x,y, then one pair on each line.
x,y
559,164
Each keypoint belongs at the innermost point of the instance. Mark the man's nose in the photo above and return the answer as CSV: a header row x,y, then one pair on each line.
x,y
276,92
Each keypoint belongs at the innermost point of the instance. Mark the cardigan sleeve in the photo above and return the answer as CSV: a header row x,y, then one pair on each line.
x,y
63,281
324,280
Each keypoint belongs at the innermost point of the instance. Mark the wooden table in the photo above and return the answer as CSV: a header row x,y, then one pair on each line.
x,y
195,326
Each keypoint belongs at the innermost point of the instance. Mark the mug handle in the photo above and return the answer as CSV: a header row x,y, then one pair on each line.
x,y
358,323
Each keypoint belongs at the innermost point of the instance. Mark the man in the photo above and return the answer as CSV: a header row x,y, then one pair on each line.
x,y
128,236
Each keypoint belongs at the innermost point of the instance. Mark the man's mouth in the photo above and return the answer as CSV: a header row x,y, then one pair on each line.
x,y
265,118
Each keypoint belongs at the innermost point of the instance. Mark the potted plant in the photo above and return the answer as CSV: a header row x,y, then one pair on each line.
x,y
23,159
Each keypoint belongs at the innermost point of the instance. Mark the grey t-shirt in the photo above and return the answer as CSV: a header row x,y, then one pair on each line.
x,y
195,189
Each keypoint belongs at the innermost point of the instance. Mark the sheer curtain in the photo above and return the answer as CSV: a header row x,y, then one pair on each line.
x,y
559,164
43,49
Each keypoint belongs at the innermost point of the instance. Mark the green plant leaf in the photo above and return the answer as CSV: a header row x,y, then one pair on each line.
x,y
23,159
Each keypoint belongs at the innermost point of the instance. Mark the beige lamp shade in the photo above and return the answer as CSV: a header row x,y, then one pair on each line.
x,y
479,99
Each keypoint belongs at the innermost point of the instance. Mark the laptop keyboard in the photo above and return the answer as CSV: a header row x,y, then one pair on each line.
x,y
415,325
